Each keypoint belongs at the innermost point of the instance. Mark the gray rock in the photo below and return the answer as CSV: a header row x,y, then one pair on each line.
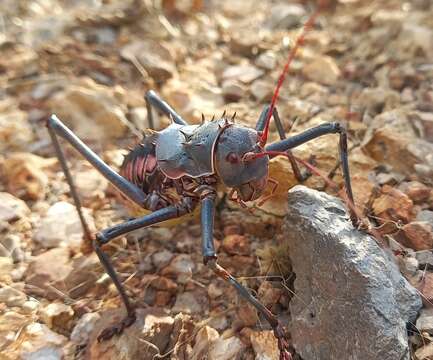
x,y
424,257
182,266
351,301
84,327
162,258
425,215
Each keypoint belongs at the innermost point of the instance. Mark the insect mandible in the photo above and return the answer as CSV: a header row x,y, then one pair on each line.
x,y
177,170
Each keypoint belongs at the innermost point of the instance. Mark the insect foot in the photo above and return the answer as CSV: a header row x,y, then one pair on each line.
x,y
283,345
117,329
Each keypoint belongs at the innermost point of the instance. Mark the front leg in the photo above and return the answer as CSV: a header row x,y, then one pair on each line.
x,y
313,133
210,259
105,236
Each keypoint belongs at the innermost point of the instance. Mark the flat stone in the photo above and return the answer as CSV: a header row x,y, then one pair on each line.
x,y
265,345
12,296
262,90
203,340
162,258
146,337
346,286
417,191
60,226
12,208
226,349
26,175
155,57
42,343
323,69
47,272
232,90
181,266
391,139
10,246
266,60
187,303
93,111
419,234
6,266
244,73
15,131
393,205
57,316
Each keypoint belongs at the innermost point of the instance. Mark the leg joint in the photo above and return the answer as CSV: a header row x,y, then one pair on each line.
x,y
52,122
338,128
100,239
210,260
150,94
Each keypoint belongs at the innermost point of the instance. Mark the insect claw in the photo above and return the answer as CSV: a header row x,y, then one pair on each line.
x,y
224,114
213,117
233,116
202,118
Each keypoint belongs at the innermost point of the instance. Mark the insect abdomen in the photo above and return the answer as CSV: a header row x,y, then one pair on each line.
x,y
140,167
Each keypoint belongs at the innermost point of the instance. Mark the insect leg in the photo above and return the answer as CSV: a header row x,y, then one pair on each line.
x,y
56,127
72,187
152,99
315,132
210,259
110,233
261,125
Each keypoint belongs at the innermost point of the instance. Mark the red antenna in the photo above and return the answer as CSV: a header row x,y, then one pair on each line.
x,y
307,26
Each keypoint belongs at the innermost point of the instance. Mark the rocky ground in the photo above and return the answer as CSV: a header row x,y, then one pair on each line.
x,y
366,64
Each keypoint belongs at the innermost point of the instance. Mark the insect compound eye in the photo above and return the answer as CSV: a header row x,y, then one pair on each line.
x,y
232,158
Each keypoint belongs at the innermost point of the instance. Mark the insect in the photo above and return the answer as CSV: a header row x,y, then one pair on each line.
x,y
176,171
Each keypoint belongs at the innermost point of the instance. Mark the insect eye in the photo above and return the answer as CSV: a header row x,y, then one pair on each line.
x,y
232,158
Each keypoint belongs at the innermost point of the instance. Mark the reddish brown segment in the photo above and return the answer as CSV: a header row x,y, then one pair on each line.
x,y
139,167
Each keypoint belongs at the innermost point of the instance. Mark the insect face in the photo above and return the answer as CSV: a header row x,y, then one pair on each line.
x,y
248,178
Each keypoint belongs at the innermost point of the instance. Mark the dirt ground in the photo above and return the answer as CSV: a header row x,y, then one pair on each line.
x,y
367,64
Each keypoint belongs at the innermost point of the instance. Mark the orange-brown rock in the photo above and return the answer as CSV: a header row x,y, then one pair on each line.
x,y
419,235
393,205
